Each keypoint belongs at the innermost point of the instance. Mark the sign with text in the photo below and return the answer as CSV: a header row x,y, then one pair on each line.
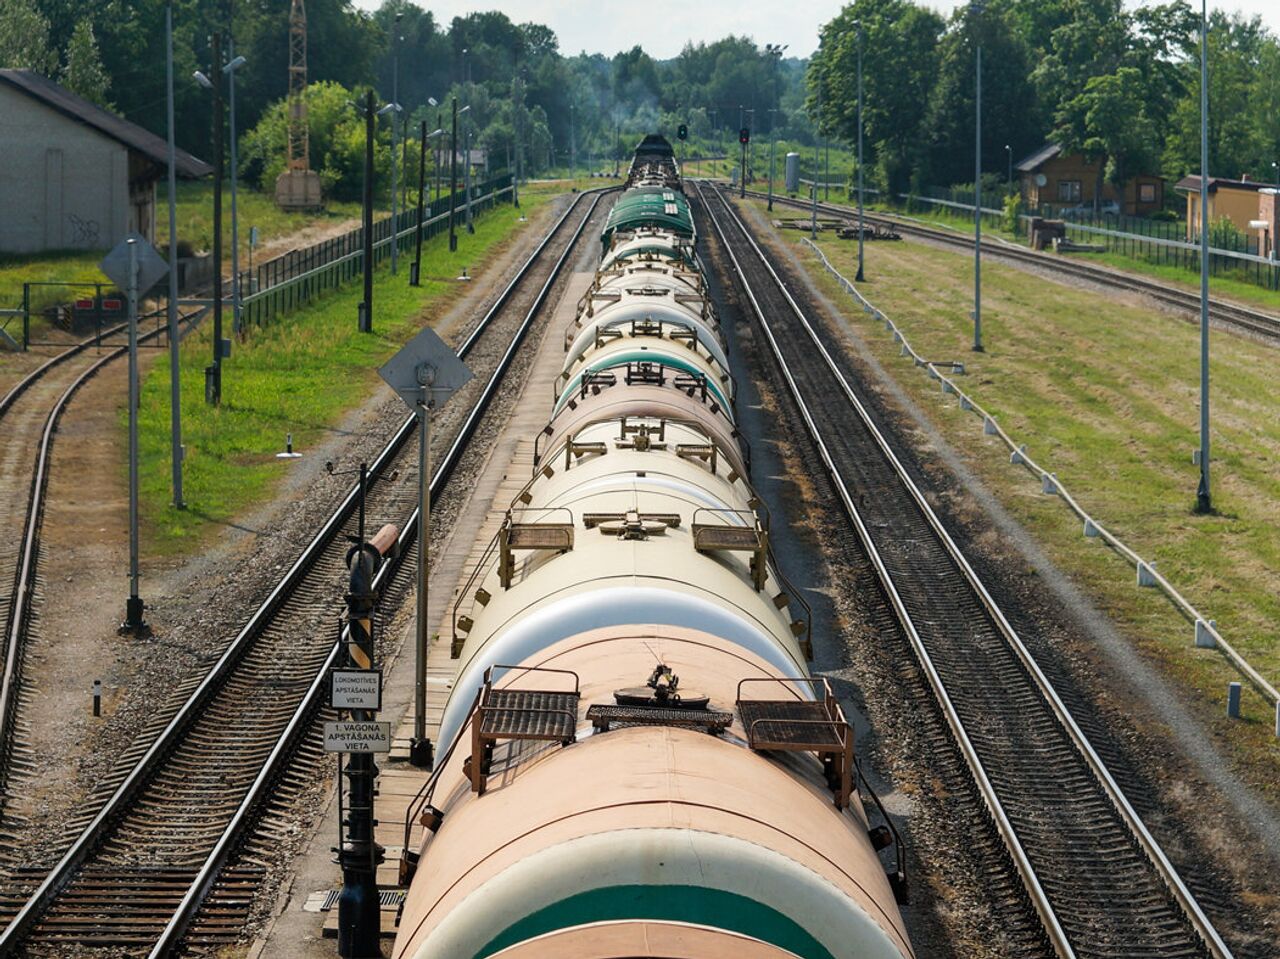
x,y
355,689
357,737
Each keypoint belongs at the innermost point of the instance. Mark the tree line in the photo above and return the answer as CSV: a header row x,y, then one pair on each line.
x,y
1119,84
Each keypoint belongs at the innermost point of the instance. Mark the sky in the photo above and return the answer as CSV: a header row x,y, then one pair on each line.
x,y
663,27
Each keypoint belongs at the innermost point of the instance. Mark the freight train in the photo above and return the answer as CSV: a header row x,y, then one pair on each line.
x,y
635,758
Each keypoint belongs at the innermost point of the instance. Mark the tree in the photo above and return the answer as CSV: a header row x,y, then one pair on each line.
x,y
24,38
84,74
1108,123
900,61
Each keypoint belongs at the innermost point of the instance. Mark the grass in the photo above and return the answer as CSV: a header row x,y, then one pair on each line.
x,y
253,208
1227,287
299,375
1105,394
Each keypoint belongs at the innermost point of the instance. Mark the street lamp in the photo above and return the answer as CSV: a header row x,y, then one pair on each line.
x,y
1204,499
453,175
415,271
230,71
773,143
391,109
860,276
1008,152
431,101
976,8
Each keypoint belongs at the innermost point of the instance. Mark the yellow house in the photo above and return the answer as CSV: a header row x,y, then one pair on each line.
x,y
1234,200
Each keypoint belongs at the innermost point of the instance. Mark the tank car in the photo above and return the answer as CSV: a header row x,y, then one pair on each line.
x,y
635,759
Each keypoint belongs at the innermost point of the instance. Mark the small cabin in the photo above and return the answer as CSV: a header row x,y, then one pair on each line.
x,y
1249,205
1053,180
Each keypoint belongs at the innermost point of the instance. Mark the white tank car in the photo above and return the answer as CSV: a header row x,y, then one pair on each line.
x,y
635,760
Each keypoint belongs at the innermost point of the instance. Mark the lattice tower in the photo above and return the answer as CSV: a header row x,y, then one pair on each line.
x,y
299,157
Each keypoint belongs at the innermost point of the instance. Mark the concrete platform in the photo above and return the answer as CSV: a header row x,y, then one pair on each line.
x,y
304,924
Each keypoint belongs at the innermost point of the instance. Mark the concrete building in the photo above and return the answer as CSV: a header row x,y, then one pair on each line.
x,y
1053,180
75,176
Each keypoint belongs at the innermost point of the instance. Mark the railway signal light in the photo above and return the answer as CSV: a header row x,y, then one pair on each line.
x,y
744,136
682,132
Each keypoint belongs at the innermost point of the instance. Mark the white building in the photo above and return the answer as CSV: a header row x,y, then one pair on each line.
x,y
74,176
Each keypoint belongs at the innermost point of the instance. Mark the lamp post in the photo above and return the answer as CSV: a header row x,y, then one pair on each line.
x,y
573,148
431,101
817,160
415,271
453,176
365,316
1204,498
976,8
390,110
230,71
860,275
175,393
213,373
466,170
1008,152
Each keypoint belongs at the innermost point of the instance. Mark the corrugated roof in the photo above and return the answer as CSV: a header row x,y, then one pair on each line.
x,y
1043,155
1192,184
109,124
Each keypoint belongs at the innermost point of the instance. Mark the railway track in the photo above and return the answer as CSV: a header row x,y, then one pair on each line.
x,y
29,414
153,868
1100,885
1259,324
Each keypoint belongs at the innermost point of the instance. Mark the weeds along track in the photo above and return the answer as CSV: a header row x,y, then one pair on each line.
x,y
1256,323
1100,885
29,416
149,870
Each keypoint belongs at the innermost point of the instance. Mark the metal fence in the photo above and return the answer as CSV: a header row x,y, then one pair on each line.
x,y
1231,254
289,281
1205,632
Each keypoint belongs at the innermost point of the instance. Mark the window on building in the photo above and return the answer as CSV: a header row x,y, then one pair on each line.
x,y
1069,191
1146,193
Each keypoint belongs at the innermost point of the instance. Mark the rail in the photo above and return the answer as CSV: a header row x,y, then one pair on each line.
x,y
95,831
1206,633
1155,855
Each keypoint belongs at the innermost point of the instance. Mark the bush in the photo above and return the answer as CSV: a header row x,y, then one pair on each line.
x,y
1164,216
1013,213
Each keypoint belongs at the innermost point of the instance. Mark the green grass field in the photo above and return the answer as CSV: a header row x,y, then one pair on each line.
x,y
299,375
1105,395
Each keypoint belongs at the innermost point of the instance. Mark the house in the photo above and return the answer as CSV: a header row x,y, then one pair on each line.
x,y
1243,202
1053,180
75,176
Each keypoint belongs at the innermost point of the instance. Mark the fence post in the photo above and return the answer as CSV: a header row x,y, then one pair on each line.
x,y
26,316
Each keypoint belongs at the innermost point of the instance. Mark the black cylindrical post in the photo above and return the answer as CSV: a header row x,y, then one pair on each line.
x,y
213,386
439,126
359,919
366,307
453,177
415,274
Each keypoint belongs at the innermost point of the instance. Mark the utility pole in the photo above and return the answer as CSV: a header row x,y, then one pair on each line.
x,y
453,178
977,183
1204,498
860,276
133,621
773,142
817,157
743,136
391,109
230,70
466,174
213,375
573,147
415,273
366,305
175,392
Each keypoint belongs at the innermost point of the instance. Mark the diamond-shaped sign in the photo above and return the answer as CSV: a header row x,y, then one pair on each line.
x,y
426,360
151,265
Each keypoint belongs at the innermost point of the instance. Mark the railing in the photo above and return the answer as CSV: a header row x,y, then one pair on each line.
x,y
294,279
1161,243
1206,633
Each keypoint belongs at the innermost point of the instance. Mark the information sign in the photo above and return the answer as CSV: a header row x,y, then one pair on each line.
x,y
357,737
355,689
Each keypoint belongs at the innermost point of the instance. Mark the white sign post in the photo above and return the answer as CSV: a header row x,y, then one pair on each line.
x,y
426,372
355,689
